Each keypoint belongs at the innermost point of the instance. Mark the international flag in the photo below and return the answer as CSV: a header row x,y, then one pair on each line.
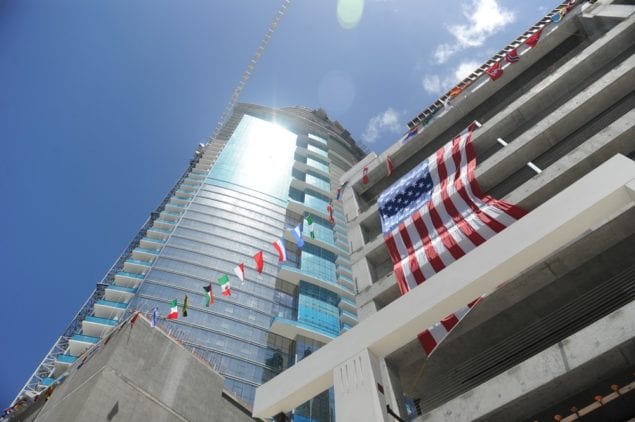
x,y
340,190
260,262
533,40
174,311
389,166
495,71
329,209
297,235
436,213
240,272
223,282
511,56
433,336
209,294
184,310
455,91
282,251
155,317
558,15
135,315
310,226
365,175
411,133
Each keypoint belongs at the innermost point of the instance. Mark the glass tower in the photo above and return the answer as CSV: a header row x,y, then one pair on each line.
x,y
265,173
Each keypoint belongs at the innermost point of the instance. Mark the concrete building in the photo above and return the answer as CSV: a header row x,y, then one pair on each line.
x,y
265,173
556,328
138,373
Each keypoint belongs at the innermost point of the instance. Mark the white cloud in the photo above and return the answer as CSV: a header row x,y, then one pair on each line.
x,y
464,69
388,121
485,18
437,85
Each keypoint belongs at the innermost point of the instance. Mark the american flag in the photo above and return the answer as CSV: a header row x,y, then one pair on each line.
x,y
435,214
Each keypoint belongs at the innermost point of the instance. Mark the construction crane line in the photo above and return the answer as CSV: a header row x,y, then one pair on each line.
x,y
250,67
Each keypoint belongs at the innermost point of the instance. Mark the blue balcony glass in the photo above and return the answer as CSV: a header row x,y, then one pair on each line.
x,y
130,275
47,381
158,220
147,251
156,241
66,358
156,229
348,302
139,262
121,289
111,304
102,321
302,328
85,339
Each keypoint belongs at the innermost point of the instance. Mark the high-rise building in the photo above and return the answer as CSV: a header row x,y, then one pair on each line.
x,y
553,338
264,175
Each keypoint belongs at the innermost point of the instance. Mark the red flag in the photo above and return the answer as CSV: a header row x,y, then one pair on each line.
x,y
389,165
329,208
495,71
455,91
260,263
365,176
134,318
533,40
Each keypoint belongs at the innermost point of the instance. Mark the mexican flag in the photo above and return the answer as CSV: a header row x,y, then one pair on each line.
x,y
174,311
310,226
224,285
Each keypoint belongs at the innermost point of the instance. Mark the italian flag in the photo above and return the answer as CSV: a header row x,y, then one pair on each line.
x,y
224,285
310,226
174,312
240,272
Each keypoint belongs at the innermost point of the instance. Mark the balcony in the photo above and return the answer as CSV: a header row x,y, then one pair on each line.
x,y
158,233
109,309
169,215
148,243
137,266
97,327
145,254
347,304
348,318
179,199
346,281
62,362
46,381
293,275
79,343
184,193
163,224
290,329
127,279
174,207
120,294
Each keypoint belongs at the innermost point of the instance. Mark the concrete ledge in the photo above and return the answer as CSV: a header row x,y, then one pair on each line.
x,y
545,368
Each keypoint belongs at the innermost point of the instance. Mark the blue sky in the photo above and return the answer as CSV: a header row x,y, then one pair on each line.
x,y
102,105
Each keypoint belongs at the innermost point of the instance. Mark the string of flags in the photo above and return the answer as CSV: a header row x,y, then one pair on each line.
x,y
224,281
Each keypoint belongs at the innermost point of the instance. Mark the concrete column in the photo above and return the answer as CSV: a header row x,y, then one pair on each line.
x,y
365,310
358,391
363,275
392,389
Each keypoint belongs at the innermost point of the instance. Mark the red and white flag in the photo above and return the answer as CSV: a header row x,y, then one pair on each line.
x,y
365,175
389,166
240,272
436,213
495,71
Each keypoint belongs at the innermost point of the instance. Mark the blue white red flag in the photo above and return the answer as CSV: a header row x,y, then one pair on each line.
x,y
512,56
282,251
436,213
297,235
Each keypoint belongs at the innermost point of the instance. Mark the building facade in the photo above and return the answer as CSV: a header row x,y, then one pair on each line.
x,y
554,136
267,171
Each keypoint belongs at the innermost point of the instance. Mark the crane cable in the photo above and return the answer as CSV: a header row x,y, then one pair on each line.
x,y
250,67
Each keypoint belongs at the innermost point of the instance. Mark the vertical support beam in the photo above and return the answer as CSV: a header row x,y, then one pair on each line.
x,y
392,389
358,391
